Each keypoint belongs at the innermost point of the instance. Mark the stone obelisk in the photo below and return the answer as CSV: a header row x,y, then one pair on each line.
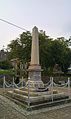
x,y
35,68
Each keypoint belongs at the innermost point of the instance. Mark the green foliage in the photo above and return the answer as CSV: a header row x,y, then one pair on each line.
x,y
21,47
52,51
5,65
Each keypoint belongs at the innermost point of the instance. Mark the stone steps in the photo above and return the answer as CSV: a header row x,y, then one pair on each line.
x,y
24,92
15,100
35,99
26,89
36,104
51,104
19,97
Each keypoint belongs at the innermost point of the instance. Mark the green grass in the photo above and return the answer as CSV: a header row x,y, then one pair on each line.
x,y
6,72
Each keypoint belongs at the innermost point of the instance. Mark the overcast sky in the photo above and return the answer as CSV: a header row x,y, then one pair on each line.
x,y
52,16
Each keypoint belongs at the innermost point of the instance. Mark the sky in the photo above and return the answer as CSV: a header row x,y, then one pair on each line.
x,y
52,16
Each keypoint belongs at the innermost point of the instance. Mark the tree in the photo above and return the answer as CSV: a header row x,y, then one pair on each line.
x,y
21,47
5,65
52,51
60,54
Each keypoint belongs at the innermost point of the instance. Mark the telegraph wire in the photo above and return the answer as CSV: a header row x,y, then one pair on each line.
x,y
12,24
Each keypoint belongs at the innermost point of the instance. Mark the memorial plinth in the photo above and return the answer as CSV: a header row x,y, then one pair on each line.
x,y
34,94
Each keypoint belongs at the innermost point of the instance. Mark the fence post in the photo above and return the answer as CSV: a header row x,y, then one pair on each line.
x,y
50,83
22,81
52,89
13,82
13,86
28,92
69,86
4,83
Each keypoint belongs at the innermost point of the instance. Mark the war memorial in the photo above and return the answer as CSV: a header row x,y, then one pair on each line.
x,y
35,95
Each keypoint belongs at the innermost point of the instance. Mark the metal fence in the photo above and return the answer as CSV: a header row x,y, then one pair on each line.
x,y
51,85
13,84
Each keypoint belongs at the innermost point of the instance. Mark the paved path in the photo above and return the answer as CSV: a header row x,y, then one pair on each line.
x,y
9,110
